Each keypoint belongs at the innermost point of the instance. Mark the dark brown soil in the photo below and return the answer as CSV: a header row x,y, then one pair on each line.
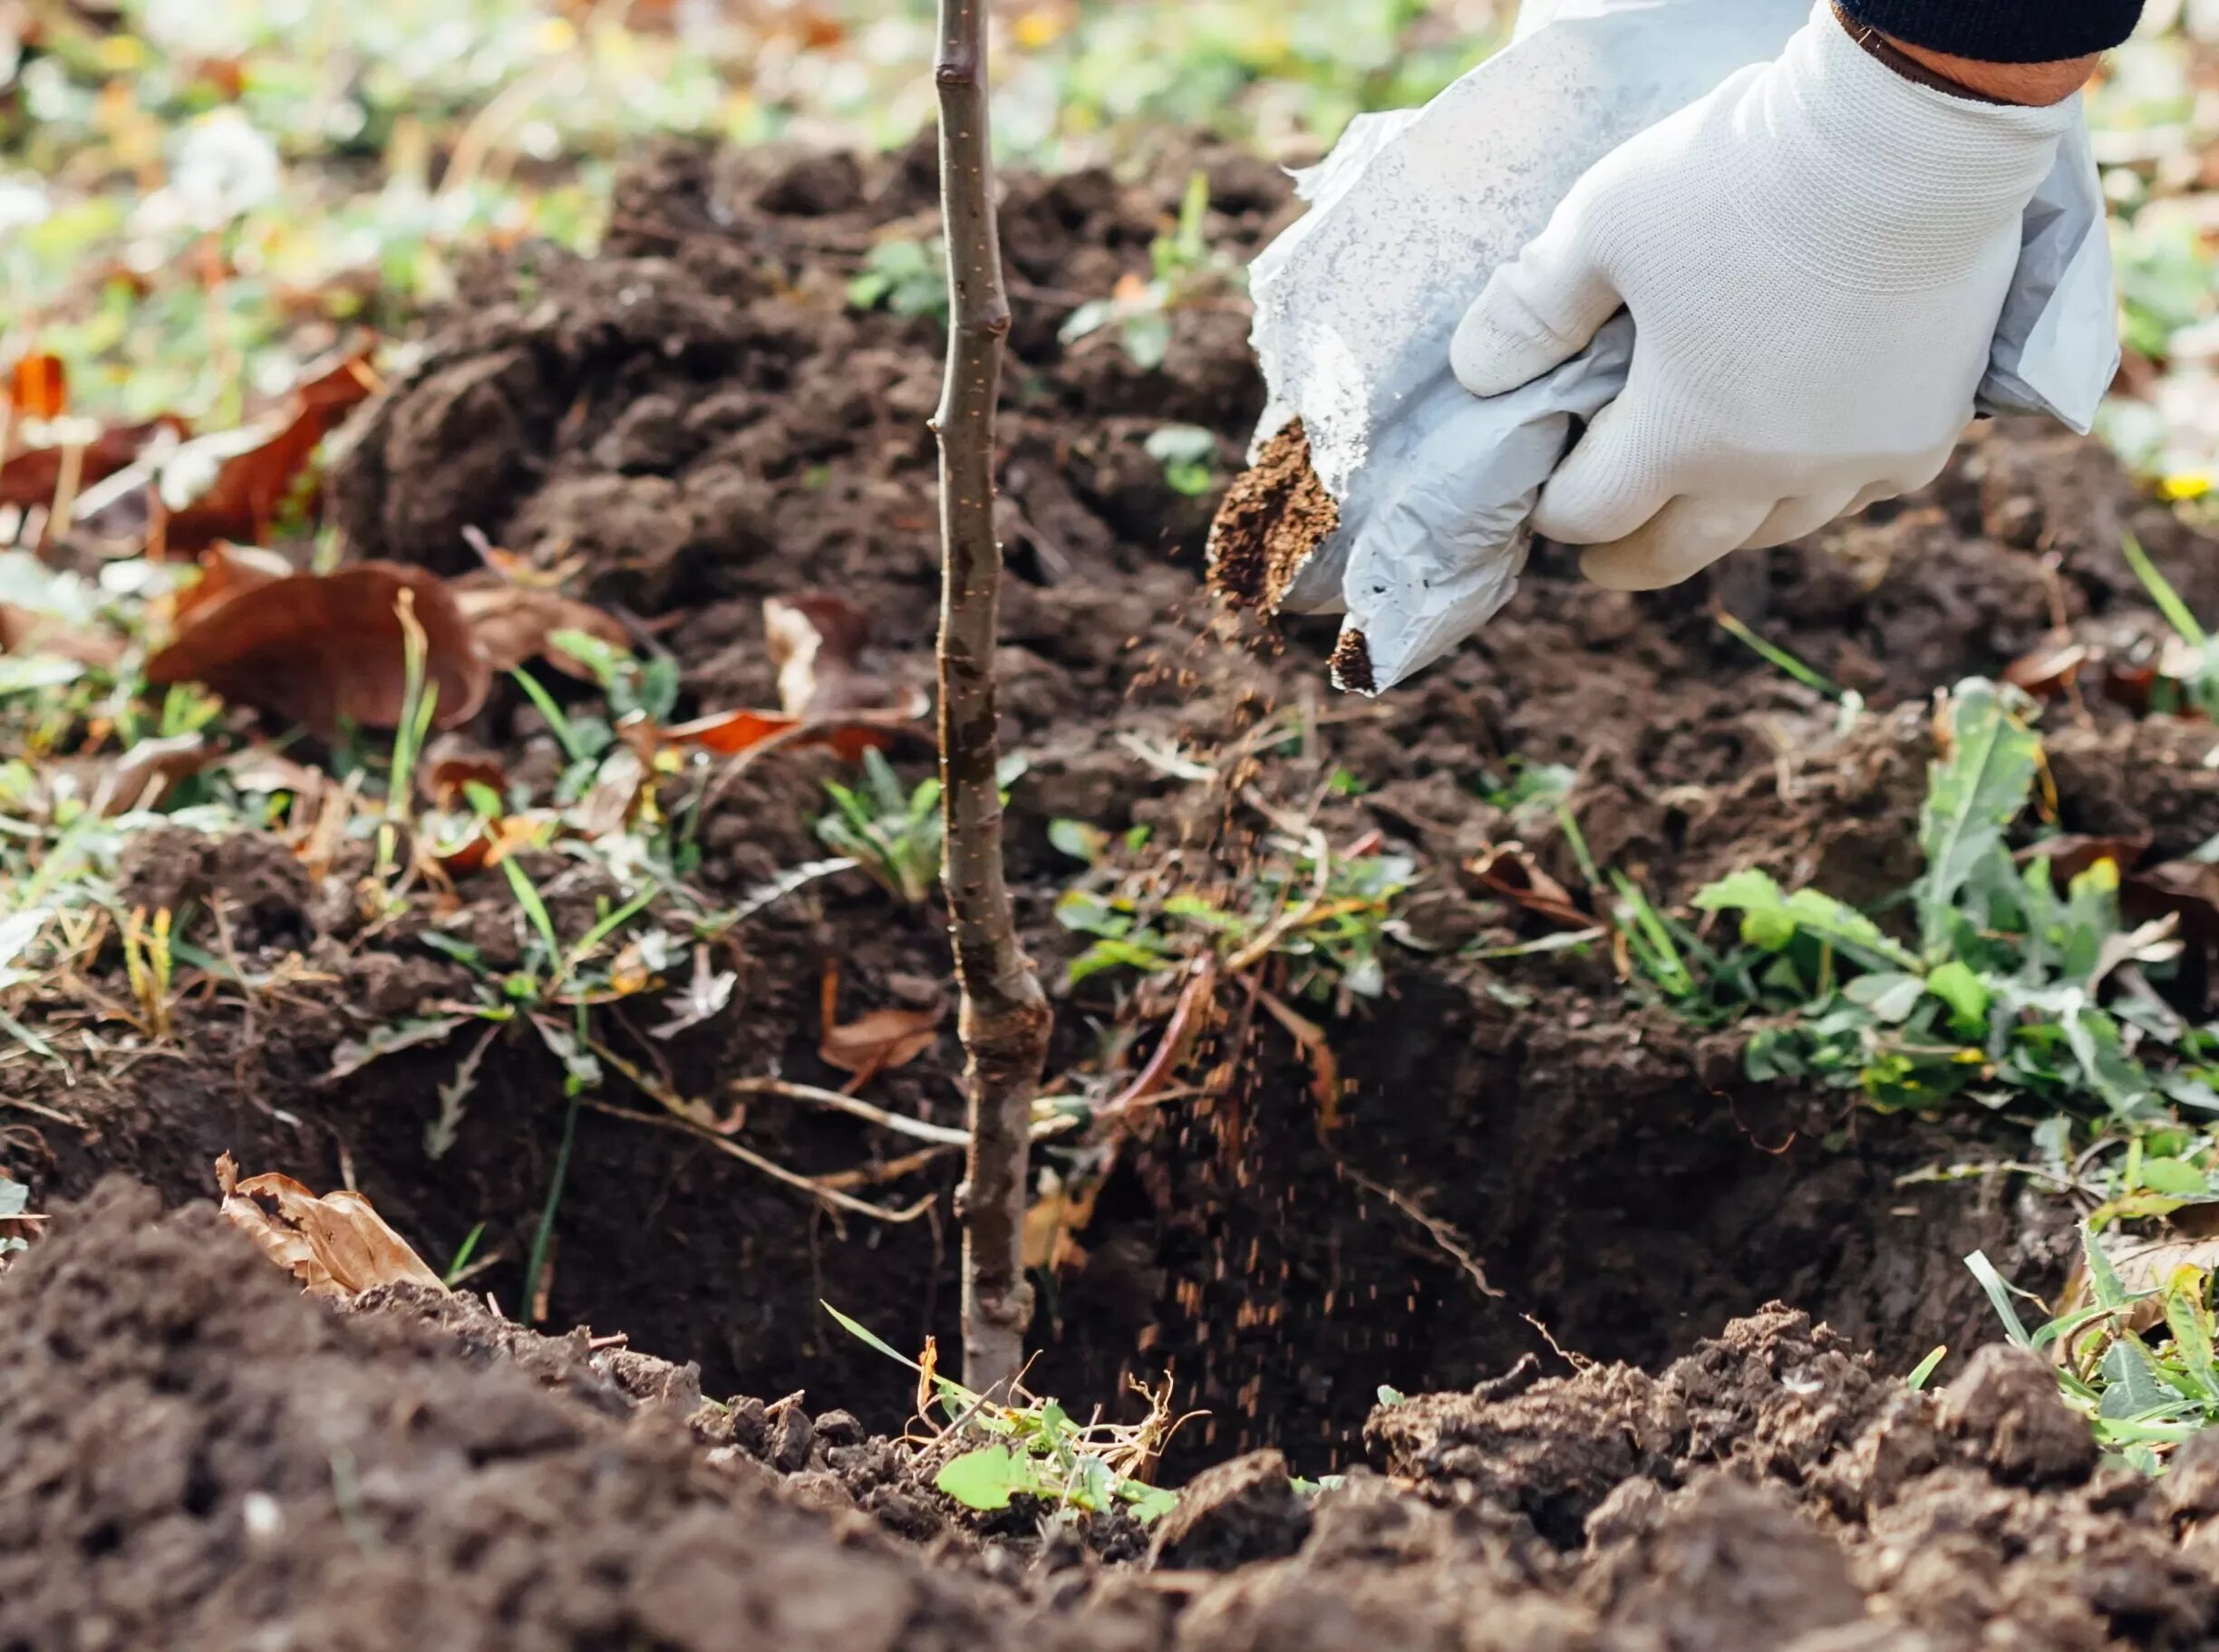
x,y
698,418
193,1455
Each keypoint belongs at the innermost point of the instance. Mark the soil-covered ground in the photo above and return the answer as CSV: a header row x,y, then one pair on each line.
x,y
697,420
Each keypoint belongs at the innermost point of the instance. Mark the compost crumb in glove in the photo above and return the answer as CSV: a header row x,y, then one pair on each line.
x,y
1815,256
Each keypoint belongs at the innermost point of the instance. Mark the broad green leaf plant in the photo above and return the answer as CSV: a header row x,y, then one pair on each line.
x,y
2015,991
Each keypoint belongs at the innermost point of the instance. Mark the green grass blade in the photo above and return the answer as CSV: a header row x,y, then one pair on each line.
x,y
2000,1296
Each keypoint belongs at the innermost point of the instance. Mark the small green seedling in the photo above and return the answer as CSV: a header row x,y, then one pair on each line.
x,y
908,277
1184,268
1188,455
1329,913
1032,1447
892,835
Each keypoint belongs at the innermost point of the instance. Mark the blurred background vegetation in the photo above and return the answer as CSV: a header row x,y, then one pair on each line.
x,y
196,196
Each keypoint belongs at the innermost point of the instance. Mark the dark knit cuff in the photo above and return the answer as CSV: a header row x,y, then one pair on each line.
x,y
2003,30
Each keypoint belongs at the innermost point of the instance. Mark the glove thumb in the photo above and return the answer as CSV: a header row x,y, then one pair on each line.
x,y
1537,313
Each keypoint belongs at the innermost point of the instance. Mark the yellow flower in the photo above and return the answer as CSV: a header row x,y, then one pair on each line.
x,y
2184,486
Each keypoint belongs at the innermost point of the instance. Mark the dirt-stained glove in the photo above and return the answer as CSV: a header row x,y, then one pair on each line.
x,y
1815,256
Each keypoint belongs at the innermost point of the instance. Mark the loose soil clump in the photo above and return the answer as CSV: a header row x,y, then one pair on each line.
x,y
697,419
193,1454
1275,514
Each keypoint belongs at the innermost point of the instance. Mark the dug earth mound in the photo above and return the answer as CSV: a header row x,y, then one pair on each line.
x,y
703,416
194,1455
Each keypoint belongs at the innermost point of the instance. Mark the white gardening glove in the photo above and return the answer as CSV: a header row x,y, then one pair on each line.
x,y
1815,257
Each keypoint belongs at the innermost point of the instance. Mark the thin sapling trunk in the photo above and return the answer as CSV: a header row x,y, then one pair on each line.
x,y
1004,1017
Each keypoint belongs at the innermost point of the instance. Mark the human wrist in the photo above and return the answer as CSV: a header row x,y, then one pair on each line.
x,y
2029,85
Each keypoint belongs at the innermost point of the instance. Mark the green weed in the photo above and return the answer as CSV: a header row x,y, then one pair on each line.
x,y
892,836
2136,1361
1032,1446
1330,914
2012,991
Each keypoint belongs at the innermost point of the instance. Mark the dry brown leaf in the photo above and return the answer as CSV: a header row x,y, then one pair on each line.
x,y
336,1245
226,571
2049,670
451,763
1054,1221
880,1041
26,631
514,624
619,784
251,489
827,695
143,776
1510,870
32,476
328,649
38,387
819,643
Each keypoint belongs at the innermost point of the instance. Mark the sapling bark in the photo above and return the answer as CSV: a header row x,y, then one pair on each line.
x,y
1004,1017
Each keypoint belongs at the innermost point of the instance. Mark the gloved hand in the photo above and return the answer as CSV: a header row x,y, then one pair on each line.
x,y
1815,256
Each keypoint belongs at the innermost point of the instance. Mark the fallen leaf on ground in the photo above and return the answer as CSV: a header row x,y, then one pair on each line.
x,y
146,774
2070,854
226,571
451,763
336,1245
514,623
879,1042
2186,889
32,476
1054,1221
817,642
328,649
619,784
235,484
38,387
1510,870
2049,670
826,696
26,631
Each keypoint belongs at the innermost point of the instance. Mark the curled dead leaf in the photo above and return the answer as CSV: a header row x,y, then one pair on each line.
x,y
1510,870
328,649
828,694
2071,854
27,631
226,571
146,774
32,476
1054,1221
848,734
819,643
880,1041
619,785
2051,670
38,386
451,763
514,624
336,1245
259,471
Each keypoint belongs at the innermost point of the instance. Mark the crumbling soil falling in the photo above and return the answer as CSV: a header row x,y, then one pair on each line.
x,y
1273,516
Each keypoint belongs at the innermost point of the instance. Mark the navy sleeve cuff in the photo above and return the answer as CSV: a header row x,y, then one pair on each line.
x,y
2003,30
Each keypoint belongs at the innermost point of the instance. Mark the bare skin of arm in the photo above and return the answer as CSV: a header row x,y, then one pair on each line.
x,y
2036,84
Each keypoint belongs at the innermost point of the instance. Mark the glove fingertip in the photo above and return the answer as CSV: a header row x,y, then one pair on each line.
x,y
1491,357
